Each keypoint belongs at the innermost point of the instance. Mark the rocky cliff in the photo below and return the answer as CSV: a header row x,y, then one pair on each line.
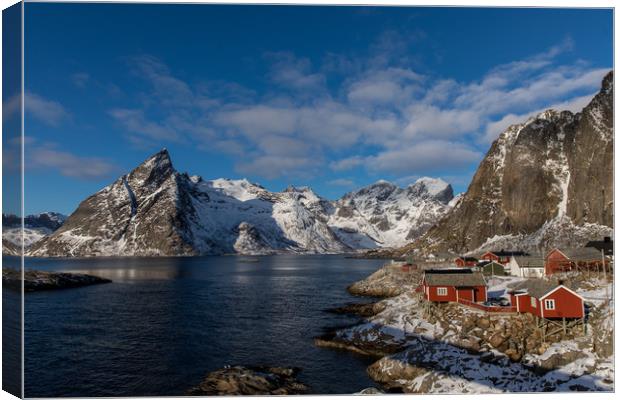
x,y
543,183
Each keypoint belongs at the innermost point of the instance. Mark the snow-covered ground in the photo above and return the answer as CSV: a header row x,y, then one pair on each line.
x,y
435,355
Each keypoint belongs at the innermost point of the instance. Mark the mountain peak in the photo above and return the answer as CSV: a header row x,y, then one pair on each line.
x,y
154,169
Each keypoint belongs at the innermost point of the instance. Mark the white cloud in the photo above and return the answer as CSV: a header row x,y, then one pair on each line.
x,y
342,182
406,121
424,157
293,72
46,156
47,111
258,120
347,163
135,121
428,120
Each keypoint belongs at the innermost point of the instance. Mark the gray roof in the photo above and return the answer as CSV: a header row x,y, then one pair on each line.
x,y
582,253
455,279
536,287
530,262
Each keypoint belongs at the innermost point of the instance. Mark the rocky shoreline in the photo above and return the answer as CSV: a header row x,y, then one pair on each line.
x,y
456,349
250,381
43,280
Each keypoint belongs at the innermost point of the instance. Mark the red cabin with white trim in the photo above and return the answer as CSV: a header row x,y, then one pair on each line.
x,y
452,285
547,300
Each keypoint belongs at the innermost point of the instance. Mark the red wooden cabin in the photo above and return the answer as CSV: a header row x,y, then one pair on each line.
x,y
463,261
561,260
547,300
503,257
450,285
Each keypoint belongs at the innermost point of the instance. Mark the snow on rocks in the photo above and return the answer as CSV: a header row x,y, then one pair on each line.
x,y
455,349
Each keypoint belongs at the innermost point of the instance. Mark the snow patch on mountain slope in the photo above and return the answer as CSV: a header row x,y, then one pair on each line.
x,y
558,232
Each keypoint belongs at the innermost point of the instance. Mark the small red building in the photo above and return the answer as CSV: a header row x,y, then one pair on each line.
x,y
561,260
450,285
547,300
503,257
463,261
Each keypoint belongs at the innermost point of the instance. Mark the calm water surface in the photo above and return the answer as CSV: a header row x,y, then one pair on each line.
x,y
164,322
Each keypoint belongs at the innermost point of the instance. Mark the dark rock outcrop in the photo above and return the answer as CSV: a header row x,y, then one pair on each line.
x,y
250,381
42,280
554,169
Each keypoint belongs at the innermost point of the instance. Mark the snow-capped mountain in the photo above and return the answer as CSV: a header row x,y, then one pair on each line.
x,y
155,210
385,215
543,183
36,227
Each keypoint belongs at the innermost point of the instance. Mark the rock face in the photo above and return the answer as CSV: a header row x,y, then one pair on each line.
x,y
251,381
9,248
42,280
549,175
156,211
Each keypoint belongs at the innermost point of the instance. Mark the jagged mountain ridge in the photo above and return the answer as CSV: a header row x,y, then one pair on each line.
x,y
155,210
390,215
543,183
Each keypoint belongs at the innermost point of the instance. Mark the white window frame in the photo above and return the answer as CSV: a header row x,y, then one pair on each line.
x,y
533,302
442,291
549,304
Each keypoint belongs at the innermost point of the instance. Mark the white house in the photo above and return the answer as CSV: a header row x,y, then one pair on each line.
x,y
527,267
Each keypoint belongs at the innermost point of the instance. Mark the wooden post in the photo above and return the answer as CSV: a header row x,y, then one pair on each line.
x,y
564,325
604,268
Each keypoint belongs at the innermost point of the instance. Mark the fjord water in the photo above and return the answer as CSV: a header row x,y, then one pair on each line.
x,y
165,322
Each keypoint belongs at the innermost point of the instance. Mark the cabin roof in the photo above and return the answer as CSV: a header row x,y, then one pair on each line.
x,y
467,258
606,245
508,253
537,288
581,253
455,279
529,262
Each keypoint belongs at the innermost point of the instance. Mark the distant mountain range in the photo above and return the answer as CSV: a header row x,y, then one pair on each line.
x,y
36,227
155,210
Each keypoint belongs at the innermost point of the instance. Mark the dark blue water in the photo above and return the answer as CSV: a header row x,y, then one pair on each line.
x,y
164,322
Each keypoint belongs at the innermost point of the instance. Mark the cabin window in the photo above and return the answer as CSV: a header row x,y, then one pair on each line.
x,y
533,302
550,304
442,291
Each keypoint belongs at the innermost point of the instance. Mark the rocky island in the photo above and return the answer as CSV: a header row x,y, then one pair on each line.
x,y
251,381
43,280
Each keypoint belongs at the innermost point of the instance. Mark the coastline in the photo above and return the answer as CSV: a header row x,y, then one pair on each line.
x,y
459,349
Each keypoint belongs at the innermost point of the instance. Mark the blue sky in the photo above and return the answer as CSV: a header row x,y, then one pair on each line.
x,y
330,97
